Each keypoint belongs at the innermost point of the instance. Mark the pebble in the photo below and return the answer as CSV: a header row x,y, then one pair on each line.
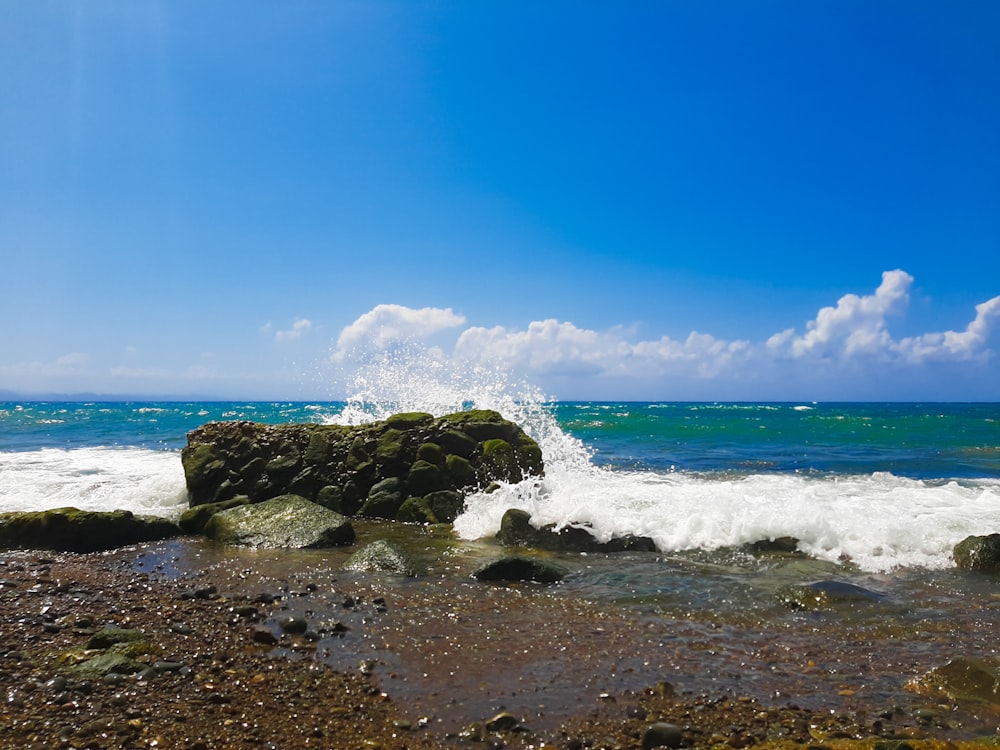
x,y
293,624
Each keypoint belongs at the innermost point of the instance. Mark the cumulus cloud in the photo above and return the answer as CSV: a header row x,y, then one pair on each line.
x,y
855,326
858,327
849,337
386,326
300,326
972,343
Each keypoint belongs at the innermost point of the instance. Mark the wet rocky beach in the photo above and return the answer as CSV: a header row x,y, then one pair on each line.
x,y
228,647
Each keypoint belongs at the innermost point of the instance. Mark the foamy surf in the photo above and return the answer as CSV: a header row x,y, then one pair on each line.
x,y
878,523
146,482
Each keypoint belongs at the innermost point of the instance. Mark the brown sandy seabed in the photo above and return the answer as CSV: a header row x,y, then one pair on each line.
x,y
427,662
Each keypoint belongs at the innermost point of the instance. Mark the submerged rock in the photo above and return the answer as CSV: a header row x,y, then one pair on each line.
x,y
828,593
373,469
962,680
516,530
74,530
382,556
521,569
980,553
287,521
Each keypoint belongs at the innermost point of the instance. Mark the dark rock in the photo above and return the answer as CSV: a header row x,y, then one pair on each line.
x,y
74,530
108,637
661,734
288,521
368,469
521,569
829,593
782,545
516,531
381,556
979,553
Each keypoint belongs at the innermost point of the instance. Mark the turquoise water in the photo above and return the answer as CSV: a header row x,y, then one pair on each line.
x,y
881,485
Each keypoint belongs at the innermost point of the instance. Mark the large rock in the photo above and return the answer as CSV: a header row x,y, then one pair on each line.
x,y
285,521
981,553
74,530
411,460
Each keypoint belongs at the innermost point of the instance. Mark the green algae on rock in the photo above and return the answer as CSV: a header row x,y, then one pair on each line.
x,y
285,521
980,553
371,470
74,530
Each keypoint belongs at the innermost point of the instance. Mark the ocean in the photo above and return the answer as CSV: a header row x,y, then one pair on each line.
x,y
876,487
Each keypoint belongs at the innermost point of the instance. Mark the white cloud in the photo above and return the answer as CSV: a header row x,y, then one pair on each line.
x,y
849,342
972,343
67,364
856,326
300,326
386,326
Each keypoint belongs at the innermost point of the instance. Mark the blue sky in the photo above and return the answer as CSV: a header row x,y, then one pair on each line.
x,y
649,200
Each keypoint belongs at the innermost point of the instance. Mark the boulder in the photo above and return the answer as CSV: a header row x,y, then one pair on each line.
x,y
516,530
979,553
287,521
373,470
74,530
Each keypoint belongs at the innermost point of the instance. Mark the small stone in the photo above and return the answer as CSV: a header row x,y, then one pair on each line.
x,y
264,636
503,722
661,734
293,624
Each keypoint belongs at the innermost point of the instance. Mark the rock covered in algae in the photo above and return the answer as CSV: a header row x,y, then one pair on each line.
x,y
516,530
370,470
962,680
980,553
382,556
73,530
286,521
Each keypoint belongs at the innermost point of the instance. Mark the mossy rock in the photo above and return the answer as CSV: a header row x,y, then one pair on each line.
x,y
416,510
74,530
499,461
445,505
516,531
432,453
424,477
202,466
978,553
105,664
382,556
460,471
409,420
288,521
384,499
193,520
391,448
105,638
975,680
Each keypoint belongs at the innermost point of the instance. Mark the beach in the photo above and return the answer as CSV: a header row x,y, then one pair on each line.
x,y
384,661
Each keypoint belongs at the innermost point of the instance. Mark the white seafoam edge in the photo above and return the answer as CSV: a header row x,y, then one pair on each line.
x,y
878,521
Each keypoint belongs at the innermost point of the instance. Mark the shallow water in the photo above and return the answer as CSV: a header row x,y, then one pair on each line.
x,y
449,647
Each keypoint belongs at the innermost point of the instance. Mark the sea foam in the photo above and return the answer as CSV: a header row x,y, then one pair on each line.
x,y
143,481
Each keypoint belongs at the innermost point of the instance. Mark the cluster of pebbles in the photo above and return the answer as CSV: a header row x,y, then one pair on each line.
x,y
94,654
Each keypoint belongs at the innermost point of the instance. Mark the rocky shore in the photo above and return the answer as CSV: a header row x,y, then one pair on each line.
x,y
190,646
